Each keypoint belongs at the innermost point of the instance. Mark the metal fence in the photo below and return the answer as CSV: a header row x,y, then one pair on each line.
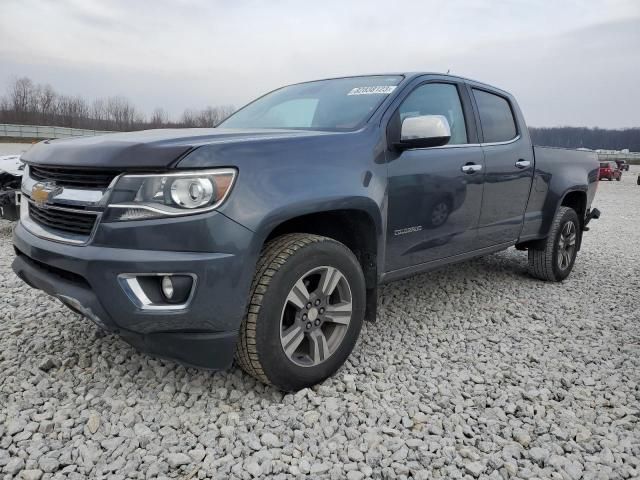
x,y
632,158
39,131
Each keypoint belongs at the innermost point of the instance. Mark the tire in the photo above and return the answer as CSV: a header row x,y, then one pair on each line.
x,y
291,270
619,178
545,262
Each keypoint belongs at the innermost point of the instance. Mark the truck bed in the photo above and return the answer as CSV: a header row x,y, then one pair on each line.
x,y
555,170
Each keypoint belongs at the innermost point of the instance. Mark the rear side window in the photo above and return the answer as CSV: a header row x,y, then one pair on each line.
x,y
496,117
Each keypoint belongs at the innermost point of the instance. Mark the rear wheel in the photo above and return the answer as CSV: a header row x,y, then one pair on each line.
x,y
554,259
305,314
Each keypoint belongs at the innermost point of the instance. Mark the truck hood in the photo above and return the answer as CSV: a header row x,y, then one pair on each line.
x,y
147,149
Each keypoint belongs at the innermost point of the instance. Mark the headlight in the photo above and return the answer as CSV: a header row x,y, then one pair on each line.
x,y
140,197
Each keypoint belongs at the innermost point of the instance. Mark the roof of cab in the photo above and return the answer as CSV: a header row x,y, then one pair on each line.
x,y
411,75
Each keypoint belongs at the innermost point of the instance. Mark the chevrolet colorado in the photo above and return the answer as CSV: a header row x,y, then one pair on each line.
x,y
265,239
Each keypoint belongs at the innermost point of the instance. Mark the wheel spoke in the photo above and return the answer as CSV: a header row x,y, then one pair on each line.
x,y
572,239
323,308
299,295
339,313
329,280
291,339
319,347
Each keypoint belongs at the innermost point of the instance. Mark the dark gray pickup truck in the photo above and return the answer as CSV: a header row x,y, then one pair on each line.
x,y
266,238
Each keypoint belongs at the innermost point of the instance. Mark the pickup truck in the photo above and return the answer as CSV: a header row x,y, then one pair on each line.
x,y
610,171
265,239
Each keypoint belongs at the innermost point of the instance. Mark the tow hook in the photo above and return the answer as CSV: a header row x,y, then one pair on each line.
x,y
593,214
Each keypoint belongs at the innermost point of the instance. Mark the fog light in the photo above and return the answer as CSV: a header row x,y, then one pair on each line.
x,y
176,288
159,291
167,287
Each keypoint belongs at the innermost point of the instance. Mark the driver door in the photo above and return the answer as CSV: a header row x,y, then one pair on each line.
x,y
433,203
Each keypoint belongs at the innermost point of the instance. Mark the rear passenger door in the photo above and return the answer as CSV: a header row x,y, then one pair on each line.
x,y
509,165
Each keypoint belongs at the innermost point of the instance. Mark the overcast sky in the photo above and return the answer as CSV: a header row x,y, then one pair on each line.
x,y
569,62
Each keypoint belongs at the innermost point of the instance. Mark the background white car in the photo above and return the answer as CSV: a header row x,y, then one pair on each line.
x,y
11,169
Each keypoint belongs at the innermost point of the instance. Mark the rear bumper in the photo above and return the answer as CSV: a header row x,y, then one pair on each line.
x,y
85,278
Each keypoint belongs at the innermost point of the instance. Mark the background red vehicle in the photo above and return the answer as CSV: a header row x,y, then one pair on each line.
x,y
609,170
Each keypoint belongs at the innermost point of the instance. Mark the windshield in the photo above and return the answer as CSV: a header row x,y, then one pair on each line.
x,y
337,104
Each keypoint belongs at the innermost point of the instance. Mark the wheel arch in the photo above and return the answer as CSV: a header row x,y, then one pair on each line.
x,y
576,200
355,227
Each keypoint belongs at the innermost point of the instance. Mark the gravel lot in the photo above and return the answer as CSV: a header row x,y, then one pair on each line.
x,y
475,371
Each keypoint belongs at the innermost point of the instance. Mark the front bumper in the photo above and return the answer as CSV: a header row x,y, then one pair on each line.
x,y
85,278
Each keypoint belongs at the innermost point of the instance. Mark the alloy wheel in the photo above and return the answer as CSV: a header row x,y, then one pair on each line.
x,y
315,316
566,245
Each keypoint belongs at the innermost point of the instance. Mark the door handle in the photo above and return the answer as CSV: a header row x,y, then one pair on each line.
x,y
523,163
471,168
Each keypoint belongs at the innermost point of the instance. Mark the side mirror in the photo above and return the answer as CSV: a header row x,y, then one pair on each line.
x,y
424,131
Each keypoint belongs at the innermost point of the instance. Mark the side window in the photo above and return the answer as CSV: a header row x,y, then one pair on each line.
x,y
496,117
437,99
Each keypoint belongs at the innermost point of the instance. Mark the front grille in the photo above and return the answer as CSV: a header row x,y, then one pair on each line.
x,y
76,222
73,177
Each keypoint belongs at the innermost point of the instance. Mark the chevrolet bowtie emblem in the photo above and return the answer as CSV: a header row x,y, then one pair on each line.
x,y
42,193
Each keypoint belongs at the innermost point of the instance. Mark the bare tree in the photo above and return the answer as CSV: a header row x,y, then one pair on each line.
x,y
189,119
38,104
159,118
72,111
21,97
121,112
46,103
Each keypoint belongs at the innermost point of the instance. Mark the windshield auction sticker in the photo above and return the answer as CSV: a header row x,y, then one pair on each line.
x,y
381,90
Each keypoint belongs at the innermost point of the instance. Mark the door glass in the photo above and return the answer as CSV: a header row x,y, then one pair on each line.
x,y
437,99
496,117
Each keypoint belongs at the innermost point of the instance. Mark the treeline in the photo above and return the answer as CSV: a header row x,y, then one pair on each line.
x,y
28,103
592,138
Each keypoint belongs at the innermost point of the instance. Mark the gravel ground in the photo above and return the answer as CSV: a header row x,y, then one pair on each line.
x,y
475,371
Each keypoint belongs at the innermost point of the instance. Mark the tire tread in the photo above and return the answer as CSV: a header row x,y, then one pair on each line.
x,y
275,254
541,260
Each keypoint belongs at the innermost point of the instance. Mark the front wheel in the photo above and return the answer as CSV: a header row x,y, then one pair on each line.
x,y
305,313
554,259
